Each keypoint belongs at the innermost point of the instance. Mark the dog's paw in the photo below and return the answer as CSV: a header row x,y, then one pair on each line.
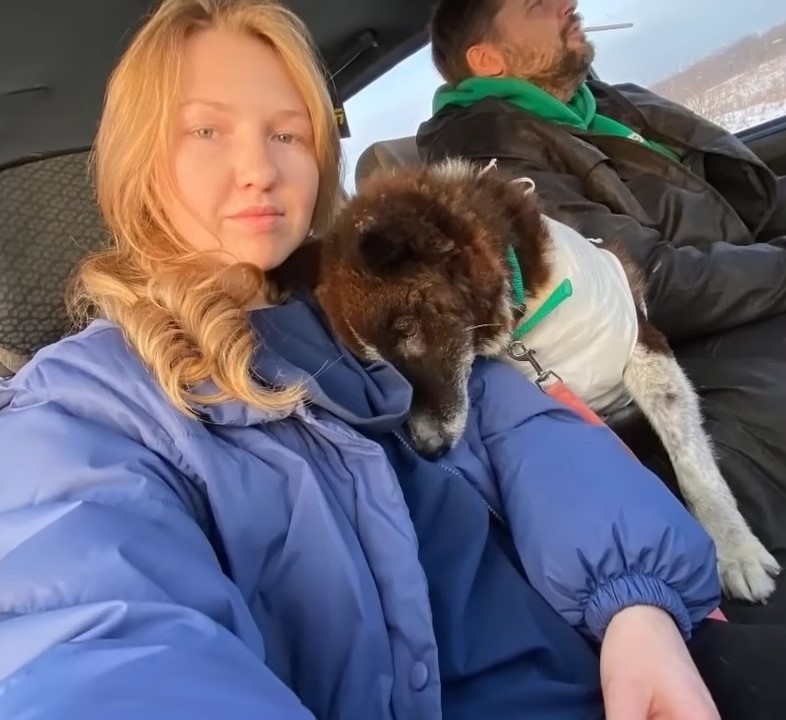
x,y
747,570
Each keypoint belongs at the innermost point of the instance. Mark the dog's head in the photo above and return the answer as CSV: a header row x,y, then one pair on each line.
x,y
414,273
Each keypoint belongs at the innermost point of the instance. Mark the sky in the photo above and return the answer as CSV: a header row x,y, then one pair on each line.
x,y
667,36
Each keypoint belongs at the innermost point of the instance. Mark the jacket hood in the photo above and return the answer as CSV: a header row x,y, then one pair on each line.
x,y
296,346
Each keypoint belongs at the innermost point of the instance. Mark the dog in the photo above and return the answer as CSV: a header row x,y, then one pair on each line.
x,y
420,270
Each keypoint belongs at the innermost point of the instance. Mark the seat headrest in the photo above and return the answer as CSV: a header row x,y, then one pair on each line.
x,y
386,154
49,221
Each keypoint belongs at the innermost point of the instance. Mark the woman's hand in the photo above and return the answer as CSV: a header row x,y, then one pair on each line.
x,y
646,671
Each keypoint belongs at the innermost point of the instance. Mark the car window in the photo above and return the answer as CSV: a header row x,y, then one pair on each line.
x,y
725,61
390,107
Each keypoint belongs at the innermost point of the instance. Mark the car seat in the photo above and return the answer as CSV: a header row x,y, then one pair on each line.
x,y
48,223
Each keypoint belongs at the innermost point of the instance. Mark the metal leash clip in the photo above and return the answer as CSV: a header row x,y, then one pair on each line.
x,y
521,353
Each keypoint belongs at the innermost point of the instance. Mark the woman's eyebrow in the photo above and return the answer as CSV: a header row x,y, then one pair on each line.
x,y
286,113
280,114
211,103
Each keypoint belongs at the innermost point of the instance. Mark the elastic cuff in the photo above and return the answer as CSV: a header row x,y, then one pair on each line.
x,y
619,593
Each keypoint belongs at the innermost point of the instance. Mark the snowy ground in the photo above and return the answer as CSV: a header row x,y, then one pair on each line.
x,y
751,116
746,99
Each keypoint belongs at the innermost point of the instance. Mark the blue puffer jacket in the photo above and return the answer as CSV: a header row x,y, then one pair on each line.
x,y
249,566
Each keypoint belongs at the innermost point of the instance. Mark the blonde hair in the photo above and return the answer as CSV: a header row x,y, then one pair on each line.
x,y
183,312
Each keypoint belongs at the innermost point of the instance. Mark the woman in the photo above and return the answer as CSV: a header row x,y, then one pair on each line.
x,y
211,510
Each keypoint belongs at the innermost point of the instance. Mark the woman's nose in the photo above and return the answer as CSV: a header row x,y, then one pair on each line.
x,y
255,164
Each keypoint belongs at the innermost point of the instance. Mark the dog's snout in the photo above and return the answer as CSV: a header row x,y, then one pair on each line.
x,y
435,453
433,438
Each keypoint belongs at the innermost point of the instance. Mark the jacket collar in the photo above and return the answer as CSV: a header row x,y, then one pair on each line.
x,y
372,398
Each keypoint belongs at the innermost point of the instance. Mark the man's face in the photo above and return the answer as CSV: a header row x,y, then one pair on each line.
x,y
543,41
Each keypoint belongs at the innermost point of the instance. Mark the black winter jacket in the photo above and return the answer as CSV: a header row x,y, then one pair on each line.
x,y
693,226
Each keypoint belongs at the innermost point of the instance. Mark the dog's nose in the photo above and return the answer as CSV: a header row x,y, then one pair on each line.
x,y
435,453
430,438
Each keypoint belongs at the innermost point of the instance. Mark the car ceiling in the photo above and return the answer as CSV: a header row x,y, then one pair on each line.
x,y
55,56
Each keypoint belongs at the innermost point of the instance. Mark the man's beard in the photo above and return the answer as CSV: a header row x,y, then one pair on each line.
x,y
559,73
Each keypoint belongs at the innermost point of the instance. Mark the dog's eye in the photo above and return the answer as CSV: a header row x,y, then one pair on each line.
x,y
405,326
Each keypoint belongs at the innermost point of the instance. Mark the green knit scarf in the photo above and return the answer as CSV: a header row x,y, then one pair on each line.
x,y
580,112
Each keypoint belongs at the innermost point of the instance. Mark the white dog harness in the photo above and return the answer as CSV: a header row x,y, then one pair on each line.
x,y
592,323
588,338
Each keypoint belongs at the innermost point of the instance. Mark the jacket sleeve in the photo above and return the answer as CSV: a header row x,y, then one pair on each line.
x,y
723,285
113,603
595,530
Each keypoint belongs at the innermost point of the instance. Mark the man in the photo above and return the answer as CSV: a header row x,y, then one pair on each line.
x,y
693,205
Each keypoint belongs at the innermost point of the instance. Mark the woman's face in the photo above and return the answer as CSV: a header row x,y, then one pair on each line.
x,y
244,161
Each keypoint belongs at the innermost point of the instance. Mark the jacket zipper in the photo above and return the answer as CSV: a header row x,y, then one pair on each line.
x,y
455,472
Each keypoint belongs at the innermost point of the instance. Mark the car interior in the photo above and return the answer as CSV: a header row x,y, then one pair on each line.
x,y
51,89
55,57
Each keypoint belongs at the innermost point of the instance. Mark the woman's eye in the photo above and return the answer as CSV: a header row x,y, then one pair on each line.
x,y
286,138
205,133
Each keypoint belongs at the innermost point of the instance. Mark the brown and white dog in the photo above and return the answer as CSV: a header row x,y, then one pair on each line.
x,y
415,272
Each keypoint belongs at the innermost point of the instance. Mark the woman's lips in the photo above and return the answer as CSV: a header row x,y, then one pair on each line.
x,y
258,218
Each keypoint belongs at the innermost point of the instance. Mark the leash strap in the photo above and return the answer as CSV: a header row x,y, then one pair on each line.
x,y
552,384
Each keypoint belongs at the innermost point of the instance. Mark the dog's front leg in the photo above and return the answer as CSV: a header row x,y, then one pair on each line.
x,y
661,389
